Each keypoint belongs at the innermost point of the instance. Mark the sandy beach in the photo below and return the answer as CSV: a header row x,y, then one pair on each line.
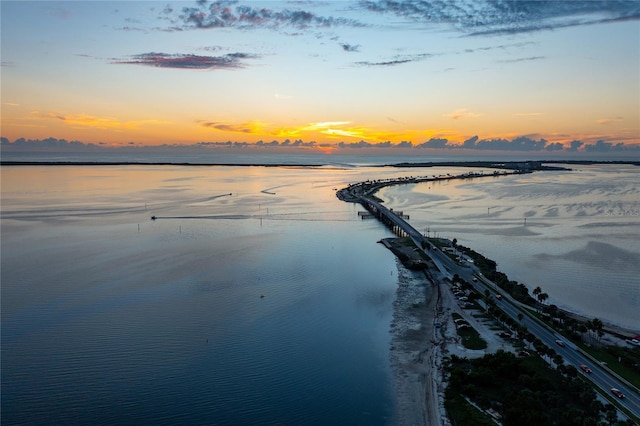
x,y
423,333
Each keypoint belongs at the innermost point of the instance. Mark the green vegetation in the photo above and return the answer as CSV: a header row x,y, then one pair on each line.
x,y
524,391
470,337
625,361
439,242
517,290
463,413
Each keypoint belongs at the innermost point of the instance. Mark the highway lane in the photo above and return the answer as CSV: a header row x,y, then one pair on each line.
x,y
600,376
572,355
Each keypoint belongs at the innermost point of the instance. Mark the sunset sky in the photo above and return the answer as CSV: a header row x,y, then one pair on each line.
x,y
327,72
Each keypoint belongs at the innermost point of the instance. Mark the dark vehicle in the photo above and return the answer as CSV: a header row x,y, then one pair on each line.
x,y
617,393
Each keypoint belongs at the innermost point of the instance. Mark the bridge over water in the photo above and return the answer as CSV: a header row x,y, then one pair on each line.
x,y
602,376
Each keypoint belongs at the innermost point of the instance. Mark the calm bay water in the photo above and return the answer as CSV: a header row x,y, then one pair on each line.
x,y
271,305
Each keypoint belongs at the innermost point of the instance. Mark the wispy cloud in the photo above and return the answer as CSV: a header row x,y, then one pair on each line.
x,y
471,17
383,63
102,123
230,14
350,47
486,17
326,127
462,113
530,58
248,127
331,129
190,62
336,130
398,60
609,120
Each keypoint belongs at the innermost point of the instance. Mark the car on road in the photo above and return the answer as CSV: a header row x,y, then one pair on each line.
x,y
585,368
617,393
560,343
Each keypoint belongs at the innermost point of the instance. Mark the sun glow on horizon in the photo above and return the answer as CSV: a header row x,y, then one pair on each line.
x,y
350,73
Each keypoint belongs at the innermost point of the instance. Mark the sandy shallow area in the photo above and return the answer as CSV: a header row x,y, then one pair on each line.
x,y
423,333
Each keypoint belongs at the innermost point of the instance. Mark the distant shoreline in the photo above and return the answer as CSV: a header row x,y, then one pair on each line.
x,y
491,164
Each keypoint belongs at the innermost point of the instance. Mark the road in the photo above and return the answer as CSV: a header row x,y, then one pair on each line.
x,y
601,376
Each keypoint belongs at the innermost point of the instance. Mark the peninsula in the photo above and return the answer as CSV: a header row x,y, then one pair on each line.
x,y
452,303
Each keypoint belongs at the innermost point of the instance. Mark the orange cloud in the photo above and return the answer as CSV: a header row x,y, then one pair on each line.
x,y
609,120
341,129
101,123
253,127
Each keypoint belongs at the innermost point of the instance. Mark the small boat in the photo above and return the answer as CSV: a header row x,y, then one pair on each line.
x,y
153,218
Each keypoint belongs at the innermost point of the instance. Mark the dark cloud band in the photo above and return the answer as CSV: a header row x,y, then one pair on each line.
x,y
186,61
228,14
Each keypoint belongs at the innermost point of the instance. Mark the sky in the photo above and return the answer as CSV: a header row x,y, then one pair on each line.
x,y
480,74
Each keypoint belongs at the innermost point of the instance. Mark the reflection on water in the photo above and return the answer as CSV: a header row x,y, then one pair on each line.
x,y
257,296
575,234
269,305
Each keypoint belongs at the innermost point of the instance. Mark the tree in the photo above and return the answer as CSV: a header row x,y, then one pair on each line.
x,y
562,316
611,414
595,327
599,330
537,291
552,310
558,360
522,332
542,297
583,329
572,371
